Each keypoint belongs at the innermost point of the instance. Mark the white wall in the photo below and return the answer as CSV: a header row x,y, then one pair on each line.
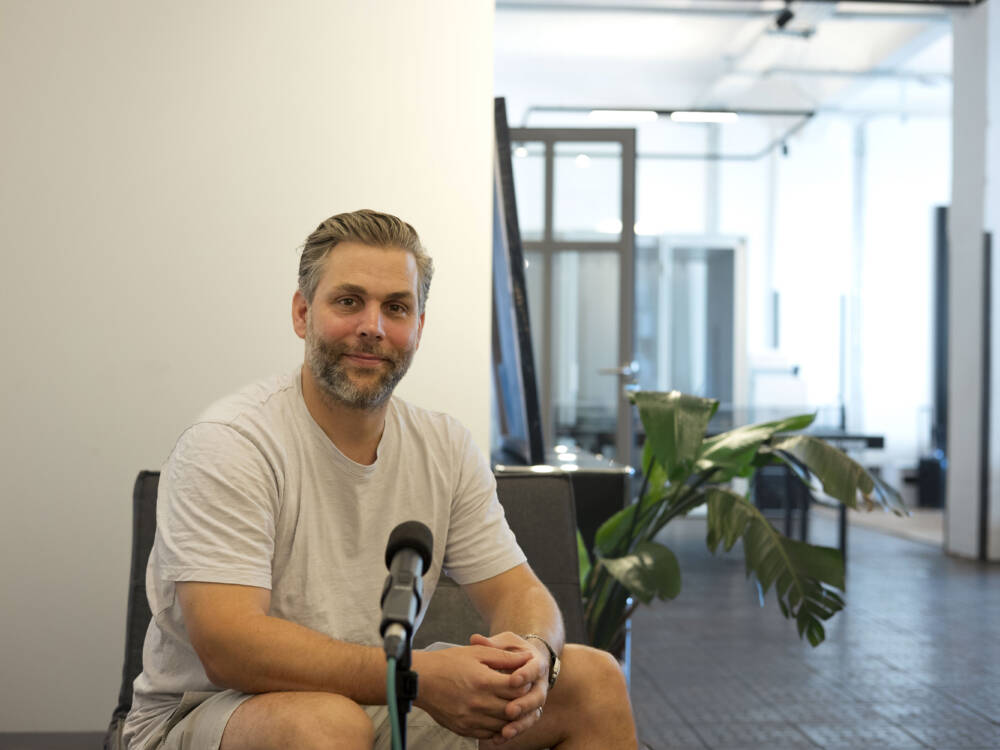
x,y
908,174
811,251
161,164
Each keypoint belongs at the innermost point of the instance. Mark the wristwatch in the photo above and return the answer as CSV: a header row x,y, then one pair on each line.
x,y
554,664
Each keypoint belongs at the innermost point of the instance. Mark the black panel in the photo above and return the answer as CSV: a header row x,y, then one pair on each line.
x,y
939,428
984,424
515,378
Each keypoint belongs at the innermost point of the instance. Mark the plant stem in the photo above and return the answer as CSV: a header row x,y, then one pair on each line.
x,y
638,503
680,506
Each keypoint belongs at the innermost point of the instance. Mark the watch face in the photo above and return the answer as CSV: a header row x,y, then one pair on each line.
x,y
554,670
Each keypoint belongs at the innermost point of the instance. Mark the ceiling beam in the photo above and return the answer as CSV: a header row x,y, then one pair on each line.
x,y
662,112
937,10
896,75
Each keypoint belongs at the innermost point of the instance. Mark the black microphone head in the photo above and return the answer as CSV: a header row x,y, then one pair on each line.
x,y
410,535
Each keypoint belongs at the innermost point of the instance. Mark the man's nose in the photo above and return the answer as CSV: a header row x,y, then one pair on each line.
x,y
370,325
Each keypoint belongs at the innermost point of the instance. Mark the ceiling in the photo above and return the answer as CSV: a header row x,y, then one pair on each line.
x,y
854,58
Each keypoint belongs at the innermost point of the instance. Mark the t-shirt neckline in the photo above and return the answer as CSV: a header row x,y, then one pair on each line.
x,y
385,445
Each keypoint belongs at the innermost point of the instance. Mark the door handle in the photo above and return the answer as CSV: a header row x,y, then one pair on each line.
x,y
629,371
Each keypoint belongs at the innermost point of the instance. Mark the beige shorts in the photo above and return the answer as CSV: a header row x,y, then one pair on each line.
x,y
201,718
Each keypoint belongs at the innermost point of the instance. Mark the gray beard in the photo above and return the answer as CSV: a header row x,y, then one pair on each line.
x,y
324,360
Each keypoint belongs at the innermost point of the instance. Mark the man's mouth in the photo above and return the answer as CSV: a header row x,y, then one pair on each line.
x,y
364,358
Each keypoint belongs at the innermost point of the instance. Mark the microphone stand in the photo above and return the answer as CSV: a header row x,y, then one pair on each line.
x,y
397,645
407,555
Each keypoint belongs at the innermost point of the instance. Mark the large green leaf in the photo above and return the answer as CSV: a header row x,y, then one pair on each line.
x,y
615,536
583,560
650,571
843,478
675,425
806,578
615,532
732,452
725,526
655,478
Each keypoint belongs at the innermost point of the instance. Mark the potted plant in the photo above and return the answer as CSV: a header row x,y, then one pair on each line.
x,y
684,469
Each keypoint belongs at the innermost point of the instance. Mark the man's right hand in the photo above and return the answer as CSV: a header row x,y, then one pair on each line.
x,y
466,688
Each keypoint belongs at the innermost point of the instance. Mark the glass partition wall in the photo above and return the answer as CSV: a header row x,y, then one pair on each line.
x,y
575,194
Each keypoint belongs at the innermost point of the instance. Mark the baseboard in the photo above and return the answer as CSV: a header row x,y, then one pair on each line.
x,y
51,740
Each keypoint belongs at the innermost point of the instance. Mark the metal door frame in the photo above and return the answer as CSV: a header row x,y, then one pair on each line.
x,y
624,246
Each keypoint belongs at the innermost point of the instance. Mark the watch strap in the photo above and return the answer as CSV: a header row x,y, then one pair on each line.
x,y
554,664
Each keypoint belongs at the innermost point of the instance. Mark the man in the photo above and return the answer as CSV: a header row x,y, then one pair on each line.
x,y
274,509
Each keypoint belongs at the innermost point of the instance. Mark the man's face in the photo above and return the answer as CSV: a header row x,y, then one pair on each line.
x,y
363,325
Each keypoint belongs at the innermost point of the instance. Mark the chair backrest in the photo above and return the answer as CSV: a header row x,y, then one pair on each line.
x,y
138,614
539,509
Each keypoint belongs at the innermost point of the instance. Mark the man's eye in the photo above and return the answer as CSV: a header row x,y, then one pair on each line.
x,y
397,309
347,302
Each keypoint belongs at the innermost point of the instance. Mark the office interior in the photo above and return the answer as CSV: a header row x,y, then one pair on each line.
x,y
794,224
163,163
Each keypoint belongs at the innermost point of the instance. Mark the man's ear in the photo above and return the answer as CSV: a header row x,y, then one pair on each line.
x,y
420,331
300,313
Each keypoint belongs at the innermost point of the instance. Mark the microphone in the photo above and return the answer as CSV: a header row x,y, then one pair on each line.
x,y
407,556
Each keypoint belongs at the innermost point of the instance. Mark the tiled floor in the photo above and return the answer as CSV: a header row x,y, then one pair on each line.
x,y
912,662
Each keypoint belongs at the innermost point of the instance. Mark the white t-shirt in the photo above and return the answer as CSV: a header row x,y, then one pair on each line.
x,y
255,493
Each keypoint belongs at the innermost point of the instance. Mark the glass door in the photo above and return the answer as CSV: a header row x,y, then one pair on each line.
x,y
576,205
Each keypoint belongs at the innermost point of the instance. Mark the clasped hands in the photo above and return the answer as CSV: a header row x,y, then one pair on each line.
x,y
494,688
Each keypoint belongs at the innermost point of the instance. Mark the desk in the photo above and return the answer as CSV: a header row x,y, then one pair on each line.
x,y
597,429
780,482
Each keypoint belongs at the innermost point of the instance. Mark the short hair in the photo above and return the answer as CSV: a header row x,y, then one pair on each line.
x,y
370,228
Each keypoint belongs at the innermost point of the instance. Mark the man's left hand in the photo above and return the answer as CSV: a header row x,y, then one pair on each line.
x,y
525,710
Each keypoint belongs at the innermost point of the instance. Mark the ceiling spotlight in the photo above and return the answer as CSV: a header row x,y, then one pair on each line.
x,y
785,16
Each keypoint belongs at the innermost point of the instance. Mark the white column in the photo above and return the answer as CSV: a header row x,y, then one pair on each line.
x,y
976,149
771,321
853,393
714,139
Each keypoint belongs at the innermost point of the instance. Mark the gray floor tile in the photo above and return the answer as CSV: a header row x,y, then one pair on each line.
x,y
943,712
987,705
969,733
661,735
820,712
882,734
769,735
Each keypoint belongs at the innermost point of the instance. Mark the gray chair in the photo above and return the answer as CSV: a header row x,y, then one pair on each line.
x,y
137,614
539,509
